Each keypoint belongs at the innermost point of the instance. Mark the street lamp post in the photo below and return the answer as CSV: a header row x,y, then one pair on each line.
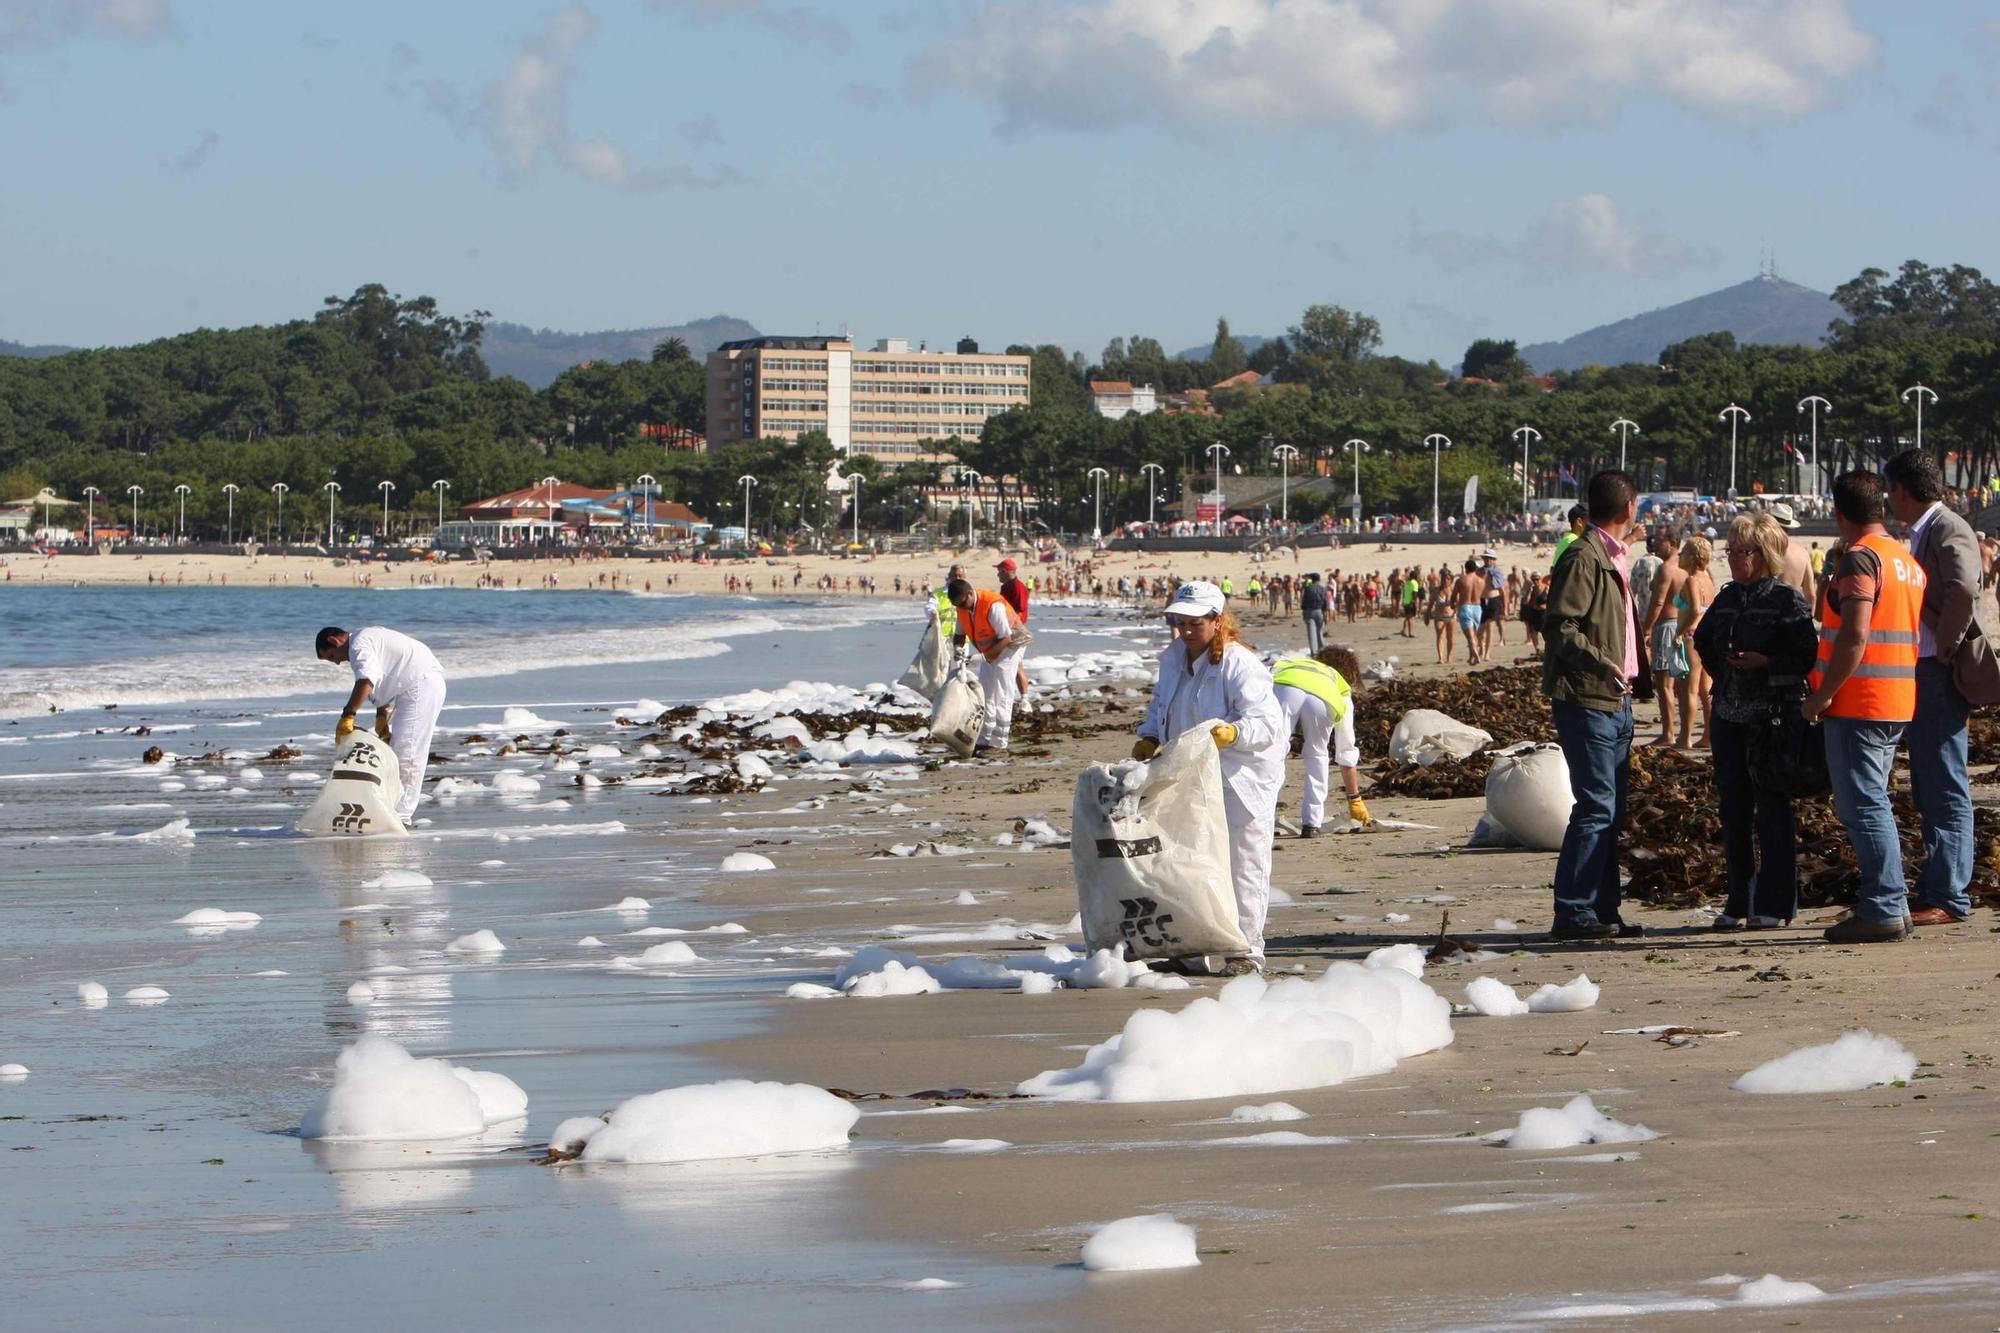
x,y
331,491
1438,444
1151,472
1626,430
440,486
180,524
1920,392
854,477
45,495
1526,435
646,482
971,480
135,492
1356,447
1218,451
746,481
90,494
1285,453
550,482
1735,416
1097,476
1817,405
385,487
278,489
229,489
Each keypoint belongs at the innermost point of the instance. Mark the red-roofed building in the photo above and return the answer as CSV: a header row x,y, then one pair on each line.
x,y
529,502
1116,399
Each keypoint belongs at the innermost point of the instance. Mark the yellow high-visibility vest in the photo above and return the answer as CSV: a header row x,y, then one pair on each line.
x,y
1318,679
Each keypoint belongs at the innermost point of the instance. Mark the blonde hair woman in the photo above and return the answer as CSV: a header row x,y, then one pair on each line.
x,y
1208,674
1690,603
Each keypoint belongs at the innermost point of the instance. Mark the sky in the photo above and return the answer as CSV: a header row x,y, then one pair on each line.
x,y
1014,170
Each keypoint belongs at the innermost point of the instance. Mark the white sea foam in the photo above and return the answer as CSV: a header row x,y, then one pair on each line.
x,y
734,1118
1132,1244
1571,1125
398,879
1578,993
1494,998
741,863
381,1091
1855,1060
479,941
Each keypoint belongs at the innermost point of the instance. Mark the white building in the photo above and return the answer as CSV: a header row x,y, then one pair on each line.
x,y
1117,399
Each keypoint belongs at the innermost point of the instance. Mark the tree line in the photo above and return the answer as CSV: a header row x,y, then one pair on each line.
x,y
374,387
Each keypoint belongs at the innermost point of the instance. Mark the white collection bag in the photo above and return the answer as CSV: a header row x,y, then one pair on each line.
x,y
1150,847
958,713
1423,736
932,663
361,796
1528,795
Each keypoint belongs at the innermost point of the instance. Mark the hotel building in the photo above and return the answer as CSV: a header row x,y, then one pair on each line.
x,y
883,402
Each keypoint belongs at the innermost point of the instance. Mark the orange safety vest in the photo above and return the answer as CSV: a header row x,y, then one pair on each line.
x,y
980,631
1883,687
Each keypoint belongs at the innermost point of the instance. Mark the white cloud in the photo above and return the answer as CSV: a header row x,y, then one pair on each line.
x,y
1585,234
524,114
1379,66
29,23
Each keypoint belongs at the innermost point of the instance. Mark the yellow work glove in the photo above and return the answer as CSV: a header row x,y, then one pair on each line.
x,y
1145,748
1357,810
1225,735
382,723
343,728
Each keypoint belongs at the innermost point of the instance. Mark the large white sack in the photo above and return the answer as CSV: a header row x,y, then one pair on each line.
x,y
932,663
361,797
1150,847
959,710
1423,736
1527,793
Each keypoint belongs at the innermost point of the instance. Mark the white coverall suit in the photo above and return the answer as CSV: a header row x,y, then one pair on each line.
x,y
1236,690
409,682
1307,711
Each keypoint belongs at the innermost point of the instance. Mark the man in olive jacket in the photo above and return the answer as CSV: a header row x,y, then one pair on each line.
x,y
1594,662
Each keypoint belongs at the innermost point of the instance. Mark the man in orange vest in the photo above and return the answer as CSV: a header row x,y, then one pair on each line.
x,y
997,635
1865,689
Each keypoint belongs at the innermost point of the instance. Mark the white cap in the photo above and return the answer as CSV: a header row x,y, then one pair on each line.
x,y
1783,513
1199,598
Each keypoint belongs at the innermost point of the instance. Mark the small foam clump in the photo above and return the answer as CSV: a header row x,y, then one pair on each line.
x,y
1134,1244
734,1118
807,990
217,917
92,995
665,955
381,1091
1579,992
1257,1036
525,719
1576,1122
743,863
633,905
13,1073
361,993
1771,1289
1856,1060
479,941
147,995
1494,998
892,978
1267,1113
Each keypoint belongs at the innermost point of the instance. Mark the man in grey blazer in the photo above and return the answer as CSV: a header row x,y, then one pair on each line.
x,y
1946,548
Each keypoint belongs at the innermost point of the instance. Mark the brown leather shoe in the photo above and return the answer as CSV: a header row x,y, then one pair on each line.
x,y
1933,916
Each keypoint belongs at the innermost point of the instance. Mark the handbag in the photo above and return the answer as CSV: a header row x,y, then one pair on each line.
x,y
1788,755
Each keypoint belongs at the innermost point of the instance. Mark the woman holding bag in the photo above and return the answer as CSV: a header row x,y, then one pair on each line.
x,y
1757,642
1208,674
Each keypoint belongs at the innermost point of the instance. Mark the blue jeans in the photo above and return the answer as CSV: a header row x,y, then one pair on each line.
x,y
1859,754
1597,746
1943,793
1759,838
1315,631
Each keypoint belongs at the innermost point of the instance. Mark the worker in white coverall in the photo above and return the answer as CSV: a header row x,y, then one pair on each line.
x,y
1207,674
407,685
1319,701
996,633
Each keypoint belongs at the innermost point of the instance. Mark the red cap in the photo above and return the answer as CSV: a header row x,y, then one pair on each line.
x,y
1006,566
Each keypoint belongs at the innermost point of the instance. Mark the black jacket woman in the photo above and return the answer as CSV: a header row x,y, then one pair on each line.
x,y
1757,643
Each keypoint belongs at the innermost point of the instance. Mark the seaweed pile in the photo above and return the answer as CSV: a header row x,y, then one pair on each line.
x,y
1673,844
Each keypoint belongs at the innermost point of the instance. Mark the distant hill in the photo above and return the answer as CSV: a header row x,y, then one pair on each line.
x,y
537,356
1763,310
24,349
1251,342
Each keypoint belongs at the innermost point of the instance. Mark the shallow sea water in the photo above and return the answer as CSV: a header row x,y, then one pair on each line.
x,y
153,1174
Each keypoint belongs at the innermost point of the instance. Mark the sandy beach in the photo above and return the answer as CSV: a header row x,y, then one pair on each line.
x,y
1384,1205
